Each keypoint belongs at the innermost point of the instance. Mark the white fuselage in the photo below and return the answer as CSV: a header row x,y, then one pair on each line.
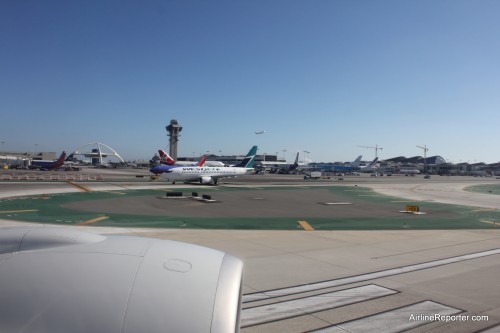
x,y
207,163
205,175
409,171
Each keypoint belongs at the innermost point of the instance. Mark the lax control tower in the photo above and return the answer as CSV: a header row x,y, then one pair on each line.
x,y
173,132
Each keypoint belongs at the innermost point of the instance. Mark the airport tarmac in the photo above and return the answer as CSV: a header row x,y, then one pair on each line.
x,y
349,281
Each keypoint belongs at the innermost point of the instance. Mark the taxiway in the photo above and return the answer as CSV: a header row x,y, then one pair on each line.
x,y
348,281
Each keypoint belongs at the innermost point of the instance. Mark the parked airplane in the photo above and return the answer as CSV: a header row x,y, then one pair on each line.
x,y
48,164
205,175
290,168
352,166
370,167
409,171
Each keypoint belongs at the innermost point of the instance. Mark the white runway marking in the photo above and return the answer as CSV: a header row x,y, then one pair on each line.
x,y
394,321
363,277
278,311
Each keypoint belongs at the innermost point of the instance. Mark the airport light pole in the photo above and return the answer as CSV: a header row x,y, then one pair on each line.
x,y
305,155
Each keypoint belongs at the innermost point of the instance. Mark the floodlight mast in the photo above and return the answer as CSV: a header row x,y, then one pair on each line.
x,y
425,156
377,148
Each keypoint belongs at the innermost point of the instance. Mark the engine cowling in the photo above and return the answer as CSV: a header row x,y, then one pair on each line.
x,y
65,280
206,180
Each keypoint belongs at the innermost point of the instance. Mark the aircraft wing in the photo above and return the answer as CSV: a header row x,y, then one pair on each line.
x,y
64,280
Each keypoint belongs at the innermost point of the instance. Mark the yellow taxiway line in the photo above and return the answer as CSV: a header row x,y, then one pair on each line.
x,y
80,187
490,222
305,225
97,219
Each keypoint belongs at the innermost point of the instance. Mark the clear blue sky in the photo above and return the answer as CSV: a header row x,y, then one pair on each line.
x,y
324,76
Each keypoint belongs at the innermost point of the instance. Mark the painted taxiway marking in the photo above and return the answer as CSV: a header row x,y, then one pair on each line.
x,y
490,222
288,309
97,219
336,203
258,296
80,187
394,321
18,211
305,225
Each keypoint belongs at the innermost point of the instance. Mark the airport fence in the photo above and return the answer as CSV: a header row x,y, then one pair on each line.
x,y
50,177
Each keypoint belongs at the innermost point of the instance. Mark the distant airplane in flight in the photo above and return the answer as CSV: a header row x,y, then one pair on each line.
x,y
260,132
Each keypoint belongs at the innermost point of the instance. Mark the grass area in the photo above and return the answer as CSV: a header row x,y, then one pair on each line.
x,y
47,209
487,189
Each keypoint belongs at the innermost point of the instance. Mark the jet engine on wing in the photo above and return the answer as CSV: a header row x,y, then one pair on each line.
x,y
206,180
65,280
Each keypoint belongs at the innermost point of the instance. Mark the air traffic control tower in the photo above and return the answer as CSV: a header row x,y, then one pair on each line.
x,y
173,132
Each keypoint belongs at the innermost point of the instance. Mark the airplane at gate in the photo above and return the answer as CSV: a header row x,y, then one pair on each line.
x,y
352,166
205,175
48,164
409,171
370,167
290,168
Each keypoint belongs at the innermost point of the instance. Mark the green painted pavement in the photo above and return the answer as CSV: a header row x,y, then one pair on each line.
x,y
48,210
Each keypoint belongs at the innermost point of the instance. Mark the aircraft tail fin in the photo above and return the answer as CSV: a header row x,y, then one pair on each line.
x,y
372,163
249,159
165,158
202,161
60,160
357,161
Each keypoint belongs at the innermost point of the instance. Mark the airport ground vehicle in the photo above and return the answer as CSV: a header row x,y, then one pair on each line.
x,y
313,175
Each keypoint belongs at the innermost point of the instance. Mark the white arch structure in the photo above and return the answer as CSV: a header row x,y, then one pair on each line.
x,y
100,153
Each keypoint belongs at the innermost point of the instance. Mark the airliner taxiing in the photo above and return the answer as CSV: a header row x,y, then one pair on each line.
x,y
205,175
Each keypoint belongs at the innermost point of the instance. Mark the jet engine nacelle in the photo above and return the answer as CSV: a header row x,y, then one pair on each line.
x,y
65,280
206,180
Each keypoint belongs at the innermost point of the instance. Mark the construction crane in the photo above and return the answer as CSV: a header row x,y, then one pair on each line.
x,y
377,148
425,156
